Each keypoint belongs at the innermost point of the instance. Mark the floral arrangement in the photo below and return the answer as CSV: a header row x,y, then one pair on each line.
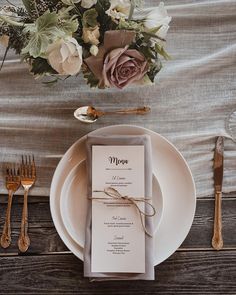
x,y
114,43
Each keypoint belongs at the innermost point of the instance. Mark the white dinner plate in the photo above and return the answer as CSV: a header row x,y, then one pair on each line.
x,y
174,177
74,202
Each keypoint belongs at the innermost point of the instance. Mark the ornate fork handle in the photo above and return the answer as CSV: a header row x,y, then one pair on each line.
x,y
6,234
24,240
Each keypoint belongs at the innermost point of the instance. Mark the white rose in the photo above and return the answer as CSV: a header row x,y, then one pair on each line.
x,y
65,56
84,3
153,18
4,40
119,9
158,17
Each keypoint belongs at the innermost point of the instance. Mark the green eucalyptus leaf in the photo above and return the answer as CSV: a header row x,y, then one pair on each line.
x,y
36,46
44,32
47,20
69,26
160,49
90,18
67,23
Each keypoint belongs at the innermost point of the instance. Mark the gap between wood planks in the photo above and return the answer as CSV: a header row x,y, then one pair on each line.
x,y
45,199
4,255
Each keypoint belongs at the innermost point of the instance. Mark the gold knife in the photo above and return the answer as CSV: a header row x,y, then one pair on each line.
x,y
217,240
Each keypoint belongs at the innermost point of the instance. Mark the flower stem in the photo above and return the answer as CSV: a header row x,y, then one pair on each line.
x,y
4,57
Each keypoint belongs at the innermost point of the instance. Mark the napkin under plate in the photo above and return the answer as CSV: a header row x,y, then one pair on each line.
x,y
149,251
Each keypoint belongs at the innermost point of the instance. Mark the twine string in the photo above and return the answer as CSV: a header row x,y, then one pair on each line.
x,y
113,193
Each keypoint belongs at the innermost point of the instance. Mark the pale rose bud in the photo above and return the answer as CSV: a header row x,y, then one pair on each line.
x,y
65,56
94,50
91,35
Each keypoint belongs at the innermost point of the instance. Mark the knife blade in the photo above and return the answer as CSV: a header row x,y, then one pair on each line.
x,y
217,239
219,164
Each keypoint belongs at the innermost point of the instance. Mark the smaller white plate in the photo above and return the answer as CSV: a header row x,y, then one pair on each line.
x,y
74,202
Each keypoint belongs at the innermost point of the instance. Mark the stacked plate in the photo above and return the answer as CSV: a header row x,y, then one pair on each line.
x,y
174,195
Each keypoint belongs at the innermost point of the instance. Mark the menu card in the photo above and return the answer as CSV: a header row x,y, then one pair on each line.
x,y
118,238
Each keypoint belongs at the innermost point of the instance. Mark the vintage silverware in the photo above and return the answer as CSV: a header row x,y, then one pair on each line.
x,y
28,178
88,114
217,240
12,185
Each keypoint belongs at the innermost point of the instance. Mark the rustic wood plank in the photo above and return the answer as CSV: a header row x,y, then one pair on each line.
x,y
201,231
44,238
43,235
184,273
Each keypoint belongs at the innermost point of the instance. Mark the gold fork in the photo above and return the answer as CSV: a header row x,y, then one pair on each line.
x,y
28,177
12,185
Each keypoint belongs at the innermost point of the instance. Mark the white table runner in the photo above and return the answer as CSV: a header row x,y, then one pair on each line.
x,y
193,96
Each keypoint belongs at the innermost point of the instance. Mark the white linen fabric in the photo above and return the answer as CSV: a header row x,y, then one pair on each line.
x,y
191,101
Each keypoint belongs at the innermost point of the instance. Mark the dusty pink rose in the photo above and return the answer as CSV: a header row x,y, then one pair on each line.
x,y
123,66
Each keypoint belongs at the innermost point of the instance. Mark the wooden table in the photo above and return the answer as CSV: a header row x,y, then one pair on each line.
x,y
49,268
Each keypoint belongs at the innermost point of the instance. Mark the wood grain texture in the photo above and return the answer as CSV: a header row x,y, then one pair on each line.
x,y
184,273
44,237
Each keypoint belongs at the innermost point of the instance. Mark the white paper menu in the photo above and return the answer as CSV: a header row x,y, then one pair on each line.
x,y
118,238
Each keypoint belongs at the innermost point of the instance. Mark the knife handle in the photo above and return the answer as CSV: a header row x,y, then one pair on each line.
x,y
217,240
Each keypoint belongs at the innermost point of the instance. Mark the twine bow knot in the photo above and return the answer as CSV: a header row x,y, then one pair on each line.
x,y
113,193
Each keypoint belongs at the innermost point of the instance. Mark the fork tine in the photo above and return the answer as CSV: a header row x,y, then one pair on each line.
x,y
33,167
14,170
15,174
27,166
7,173
7,170
22,166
